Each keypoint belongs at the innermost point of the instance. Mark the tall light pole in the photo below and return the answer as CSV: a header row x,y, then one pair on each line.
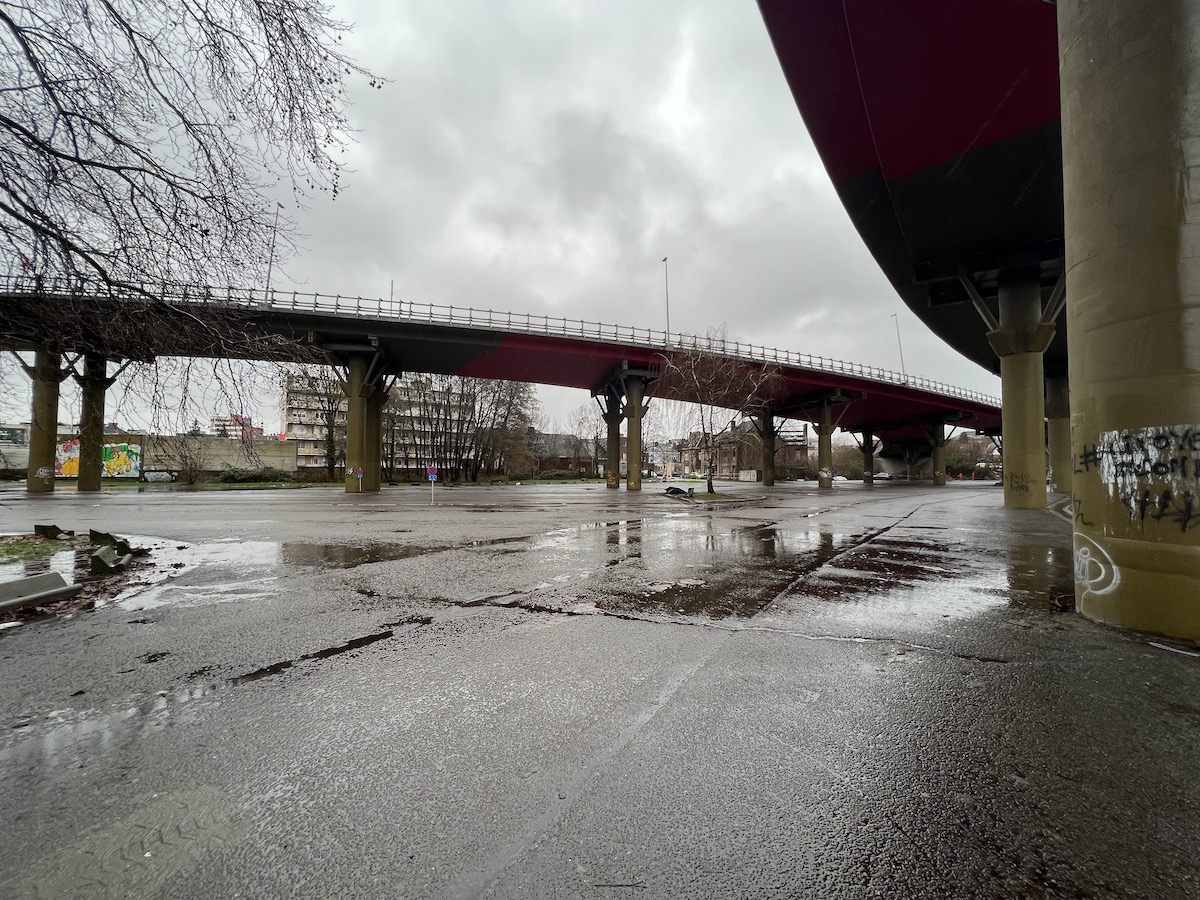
x,y
667,296
271,258
901,347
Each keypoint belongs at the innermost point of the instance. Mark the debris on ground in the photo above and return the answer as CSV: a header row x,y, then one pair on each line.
x,y
103,567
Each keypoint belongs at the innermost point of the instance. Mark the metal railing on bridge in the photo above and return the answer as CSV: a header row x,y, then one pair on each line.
x,y
493,320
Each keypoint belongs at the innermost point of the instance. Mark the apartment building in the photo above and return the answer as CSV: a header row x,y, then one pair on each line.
x,y
424,424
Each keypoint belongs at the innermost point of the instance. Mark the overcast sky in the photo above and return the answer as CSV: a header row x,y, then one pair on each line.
x,y
539,156
543,157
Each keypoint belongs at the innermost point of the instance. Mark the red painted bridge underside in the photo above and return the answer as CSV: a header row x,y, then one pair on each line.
x,y
895,410
938,122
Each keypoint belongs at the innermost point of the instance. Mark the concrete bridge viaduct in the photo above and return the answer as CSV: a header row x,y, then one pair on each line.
x,y
373,340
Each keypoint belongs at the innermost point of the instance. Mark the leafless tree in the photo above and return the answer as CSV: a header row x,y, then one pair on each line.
x,y
184,454
462,425
318,391
138,138
504,414
718,384
586,429
143,144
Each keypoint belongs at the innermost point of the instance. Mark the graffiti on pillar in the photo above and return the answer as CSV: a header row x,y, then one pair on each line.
x,y
1021,482
1095,570
1151,472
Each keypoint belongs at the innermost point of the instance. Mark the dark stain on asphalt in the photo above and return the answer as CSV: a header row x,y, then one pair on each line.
x,y
328,652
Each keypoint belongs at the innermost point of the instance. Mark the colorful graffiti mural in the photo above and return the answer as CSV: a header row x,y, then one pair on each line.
x,y
119,460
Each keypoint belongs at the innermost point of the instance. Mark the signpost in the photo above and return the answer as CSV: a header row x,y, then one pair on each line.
x,y
432,478
358,475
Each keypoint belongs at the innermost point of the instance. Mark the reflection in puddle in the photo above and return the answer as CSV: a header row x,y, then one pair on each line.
x,y
938,579
74,738
342,556
188,574
697,567
72,565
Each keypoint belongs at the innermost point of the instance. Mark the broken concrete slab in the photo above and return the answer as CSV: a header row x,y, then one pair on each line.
x,y
120,544
36,589
52,532
108,559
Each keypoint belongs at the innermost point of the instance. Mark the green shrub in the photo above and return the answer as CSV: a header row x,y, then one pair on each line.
x,y
234,475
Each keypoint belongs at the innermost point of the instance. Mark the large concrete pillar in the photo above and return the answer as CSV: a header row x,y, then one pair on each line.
x,y
357,391
373,439
635,391
938,441
610,411
868,453
1058,433
43,432
1130,76
1019,342
768,432
92,386
912,464
824,429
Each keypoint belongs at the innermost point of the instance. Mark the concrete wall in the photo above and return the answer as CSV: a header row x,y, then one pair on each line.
x,y
210,453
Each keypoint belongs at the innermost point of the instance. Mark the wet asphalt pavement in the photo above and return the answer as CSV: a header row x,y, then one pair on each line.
x,y
569,692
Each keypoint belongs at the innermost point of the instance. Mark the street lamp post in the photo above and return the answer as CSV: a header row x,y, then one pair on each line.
x,y
667,296
271,258
901,348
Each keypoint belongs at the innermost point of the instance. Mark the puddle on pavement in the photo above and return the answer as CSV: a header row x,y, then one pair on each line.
x,y
72,565
690,566
222,571
937,578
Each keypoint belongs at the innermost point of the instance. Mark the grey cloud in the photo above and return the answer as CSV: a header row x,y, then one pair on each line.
x,y
543,157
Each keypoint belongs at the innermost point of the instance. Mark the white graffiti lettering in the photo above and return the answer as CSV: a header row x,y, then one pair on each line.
x,y
1094,568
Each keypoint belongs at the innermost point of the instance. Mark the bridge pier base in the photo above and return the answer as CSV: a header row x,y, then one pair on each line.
x,y
824,430
47,376
938,442
868,457
364,425
1058,433
635,392
93,384
912,464
623,396
768,433
1130,76
610,411
373,439
1019,342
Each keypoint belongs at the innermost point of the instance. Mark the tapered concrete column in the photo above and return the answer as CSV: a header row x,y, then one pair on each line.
x,y
635,391
1019,342
610,411
868,453
357,391
766,424
373,440
938,440
1130,76
92,385
1058,433
43,432
912,464
824,430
